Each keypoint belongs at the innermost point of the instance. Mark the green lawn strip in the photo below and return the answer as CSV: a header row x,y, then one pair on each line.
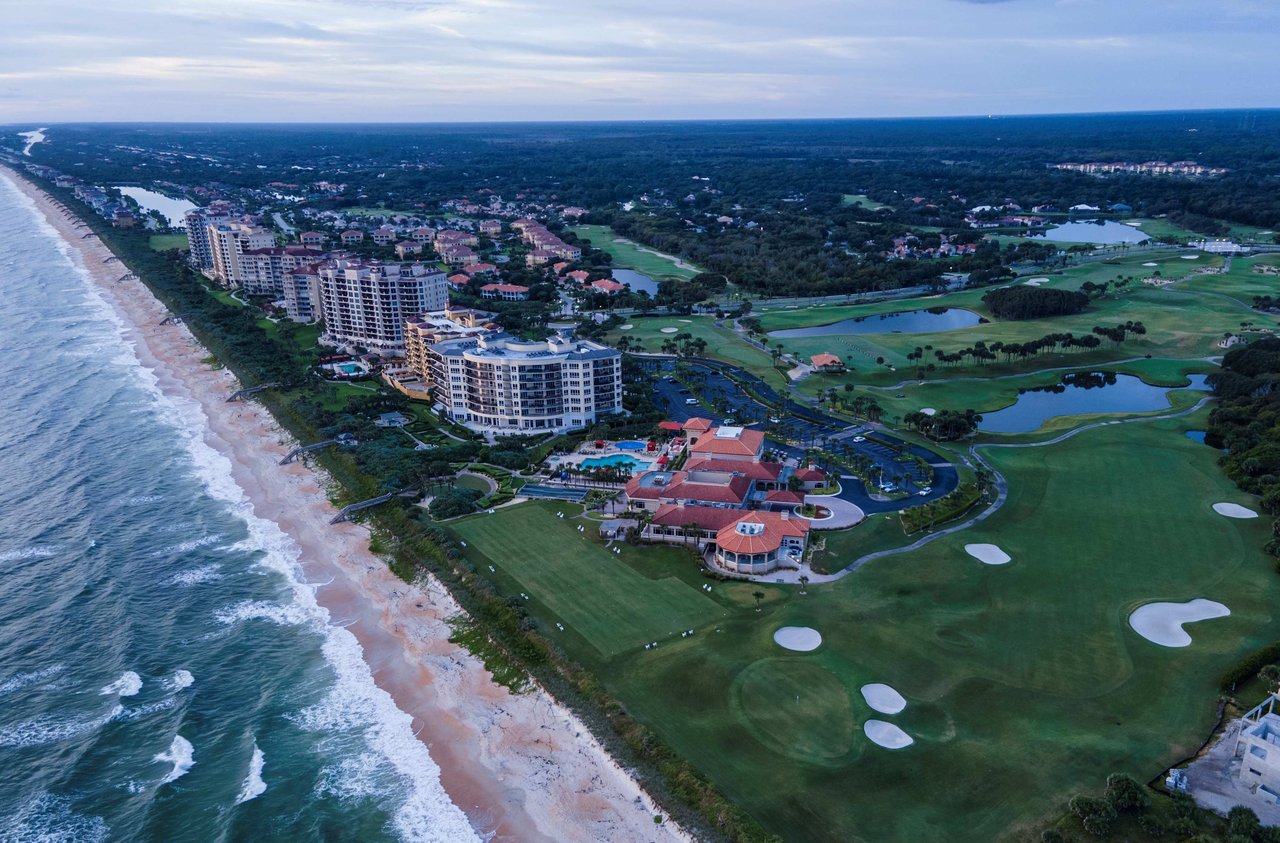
x,y
1024,682
590,590
165,242
722,343
630,256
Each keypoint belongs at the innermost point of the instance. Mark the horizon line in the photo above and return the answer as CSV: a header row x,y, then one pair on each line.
x,y
651,120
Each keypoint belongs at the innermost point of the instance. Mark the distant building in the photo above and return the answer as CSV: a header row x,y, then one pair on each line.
x,y
365,303
312,239
506,292
351,237
264,270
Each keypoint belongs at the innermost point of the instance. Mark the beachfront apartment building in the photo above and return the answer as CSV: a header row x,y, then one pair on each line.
x,y
496,383
198,221
265,270
365,302
228,244
300,291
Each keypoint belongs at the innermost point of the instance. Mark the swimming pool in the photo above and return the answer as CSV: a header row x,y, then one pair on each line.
x,y
351,368
618,460
631,446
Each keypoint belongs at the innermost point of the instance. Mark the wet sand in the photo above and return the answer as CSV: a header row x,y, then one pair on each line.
x,y
521,766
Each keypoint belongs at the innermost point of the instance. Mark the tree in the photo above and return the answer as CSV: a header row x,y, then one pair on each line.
x,y
804,581
1125,793
758,595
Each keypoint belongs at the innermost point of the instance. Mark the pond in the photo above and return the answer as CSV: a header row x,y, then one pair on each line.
x,y
903,322
1104,234
173,210
1078,394
636,281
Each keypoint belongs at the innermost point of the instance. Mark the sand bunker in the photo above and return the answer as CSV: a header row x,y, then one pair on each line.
x,y
886,735
883,699
1037,281
1234,510
668,330
626,327
1190,257
800,638
928,411
1151,263
987,554
1161,623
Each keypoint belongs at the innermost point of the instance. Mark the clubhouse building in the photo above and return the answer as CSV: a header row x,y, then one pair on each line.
x,y
728,501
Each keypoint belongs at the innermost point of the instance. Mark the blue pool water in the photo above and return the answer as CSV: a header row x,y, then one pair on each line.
x,y
632,446
619,460
351,368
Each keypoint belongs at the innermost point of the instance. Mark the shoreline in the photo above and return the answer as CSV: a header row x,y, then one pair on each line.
x,y
522,767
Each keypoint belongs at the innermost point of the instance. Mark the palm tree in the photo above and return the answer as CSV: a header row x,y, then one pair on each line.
x,y
758,595
804,581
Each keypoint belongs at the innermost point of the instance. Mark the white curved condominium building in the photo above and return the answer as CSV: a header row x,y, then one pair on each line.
x,y
503,384
365,303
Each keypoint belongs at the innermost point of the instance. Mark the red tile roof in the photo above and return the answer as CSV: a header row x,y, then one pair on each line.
x,y
824,359
774,527
759,471
723,442
698,424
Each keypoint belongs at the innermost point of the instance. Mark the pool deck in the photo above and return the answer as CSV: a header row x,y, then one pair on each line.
x,y
588,451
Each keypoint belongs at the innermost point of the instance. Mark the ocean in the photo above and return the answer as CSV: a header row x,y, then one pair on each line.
x,y
165,671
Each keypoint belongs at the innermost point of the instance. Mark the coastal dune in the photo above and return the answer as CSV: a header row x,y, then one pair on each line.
x,y
521,766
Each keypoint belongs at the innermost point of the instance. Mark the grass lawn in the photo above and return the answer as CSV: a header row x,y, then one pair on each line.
x,y
1024,682
1180,324
164,242
594,593
628,255
860,200
722,343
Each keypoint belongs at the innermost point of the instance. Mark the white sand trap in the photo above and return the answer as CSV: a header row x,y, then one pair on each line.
x,y
987,554
1161,623
668,330
687,321
1190,257
886,735
626,327
1234,510
1151,263
1134,223
928,411
1040,280
801,638
883,699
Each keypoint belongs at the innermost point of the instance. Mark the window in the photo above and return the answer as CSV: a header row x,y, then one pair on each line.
x,y
1257,752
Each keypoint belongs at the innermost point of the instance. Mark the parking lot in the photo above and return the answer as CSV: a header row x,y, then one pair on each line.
x,y
725,403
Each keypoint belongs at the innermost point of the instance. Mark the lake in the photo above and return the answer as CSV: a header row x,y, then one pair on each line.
x,y
1078,394
903,322
173,210
1108,233
637,281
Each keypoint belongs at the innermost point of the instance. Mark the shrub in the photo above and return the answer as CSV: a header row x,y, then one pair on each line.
x,y
1125,794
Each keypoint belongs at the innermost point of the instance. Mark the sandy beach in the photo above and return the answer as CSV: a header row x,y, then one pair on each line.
x,y
521,766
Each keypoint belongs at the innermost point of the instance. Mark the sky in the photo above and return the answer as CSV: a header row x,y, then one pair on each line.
x,y
484,60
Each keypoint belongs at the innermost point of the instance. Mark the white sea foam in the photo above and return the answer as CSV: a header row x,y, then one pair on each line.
x,y
45,730
179,680
195,576
141,711
188,546
260,610
127,685
47,818
254,785
23,553
425,812
181,754
23,680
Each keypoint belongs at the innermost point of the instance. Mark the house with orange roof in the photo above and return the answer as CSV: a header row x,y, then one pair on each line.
x,y
760,542
728,443
826,362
